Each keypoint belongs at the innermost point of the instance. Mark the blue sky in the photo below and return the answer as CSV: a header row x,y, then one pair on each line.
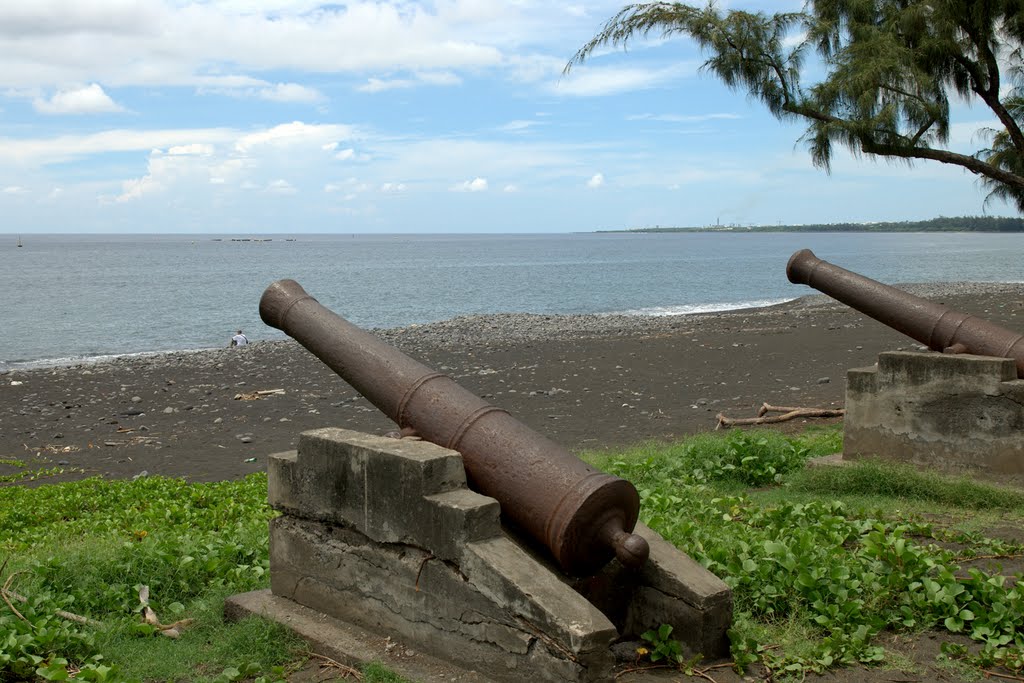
x,y
291,116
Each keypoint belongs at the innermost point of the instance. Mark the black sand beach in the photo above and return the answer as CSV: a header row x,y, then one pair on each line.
x,y
587,382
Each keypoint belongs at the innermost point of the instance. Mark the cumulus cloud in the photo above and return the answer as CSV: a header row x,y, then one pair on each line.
x,y
89,99
164,169
510,188
596,180
392,188
474,185
294,133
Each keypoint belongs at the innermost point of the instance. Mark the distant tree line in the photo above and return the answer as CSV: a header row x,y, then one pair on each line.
x,y
941,224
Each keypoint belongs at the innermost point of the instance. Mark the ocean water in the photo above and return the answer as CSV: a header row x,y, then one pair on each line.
x,y
64,298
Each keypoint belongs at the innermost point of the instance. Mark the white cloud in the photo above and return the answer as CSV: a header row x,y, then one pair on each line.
x,y
596,180
193,149
89,99
599,81
294,133
517,126
392,188
350,154
222,158
253,88
474,185
164,42
375,85
533,67
14,189
180,165
44,151
290,92
510,188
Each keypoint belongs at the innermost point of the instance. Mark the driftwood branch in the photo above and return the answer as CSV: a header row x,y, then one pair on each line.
x,y
7,594
257,395
346,670
787,413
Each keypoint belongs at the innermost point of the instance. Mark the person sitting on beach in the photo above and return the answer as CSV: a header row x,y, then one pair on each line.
x,y
239,339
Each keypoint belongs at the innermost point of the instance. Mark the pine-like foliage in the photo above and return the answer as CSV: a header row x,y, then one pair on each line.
x,y
891,67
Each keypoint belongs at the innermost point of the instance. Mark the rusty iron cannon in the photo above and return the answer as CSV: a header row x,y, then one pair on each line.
x,y
934,325
582,515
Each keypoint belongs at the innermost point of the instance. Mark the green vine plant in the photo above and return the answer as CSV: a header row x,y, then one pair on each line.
x,y
841,575
663,647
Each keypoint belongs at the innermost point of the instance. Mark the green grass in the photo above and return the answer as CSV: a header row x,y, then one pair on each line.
x,y
823,563
873,478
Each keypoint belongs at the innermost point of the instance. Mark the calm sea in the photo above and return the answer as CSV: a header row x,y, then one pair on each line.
x,y
68,297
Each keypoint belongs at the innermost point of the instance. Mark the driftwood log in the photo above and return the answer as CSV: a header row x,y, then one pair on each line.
x,y
786,413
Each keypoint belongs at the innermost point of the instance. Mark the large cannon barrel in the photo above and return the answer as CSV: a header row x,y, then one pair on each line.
x,y
934,325
582,515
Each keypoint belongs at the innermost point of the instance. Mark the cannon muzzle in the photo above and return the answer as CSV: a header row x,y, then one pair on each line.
x,y
582,515
934,325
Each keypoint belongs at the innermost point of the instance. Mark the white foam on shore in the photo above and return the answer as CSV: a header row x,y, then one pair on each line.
x,y
73,361
690,309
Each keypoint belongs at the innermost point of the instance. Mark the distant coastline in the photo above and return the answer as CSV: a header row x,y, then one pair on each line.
x,y
941,224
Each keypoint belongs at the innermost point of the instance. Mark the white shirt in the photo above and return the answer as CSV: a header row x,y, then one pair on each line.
x,y
240,340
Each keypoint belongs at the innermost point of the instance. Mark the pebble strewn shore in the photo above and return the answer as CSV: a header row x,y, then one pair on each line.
x,y
585,381
522,327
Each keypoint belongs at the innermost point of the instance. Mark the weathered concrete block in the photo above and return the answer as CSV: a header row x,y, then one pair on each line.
x,y
954,412
675,589
383,534
431,605
391,490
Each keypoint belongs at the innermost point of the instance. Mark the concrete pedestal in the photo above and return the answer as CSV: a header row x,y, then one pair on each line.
x,y
961,413
384,536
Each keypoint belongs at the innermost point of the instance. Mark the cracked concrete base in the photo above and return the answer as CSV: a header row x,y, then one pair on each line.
x,y
960,413
345,643
385,535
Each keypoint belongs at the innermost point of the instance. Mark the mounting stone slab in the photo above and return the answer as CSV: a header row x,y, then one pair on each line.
x,y
384,535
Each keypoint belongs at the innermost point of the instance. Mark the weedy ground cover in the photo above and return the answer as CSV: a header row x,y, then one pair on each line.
x,y
88,547
822,561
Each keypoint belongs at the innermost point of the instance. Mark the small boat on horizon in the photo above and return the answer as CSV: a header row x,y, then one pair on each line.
x,y
19,241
